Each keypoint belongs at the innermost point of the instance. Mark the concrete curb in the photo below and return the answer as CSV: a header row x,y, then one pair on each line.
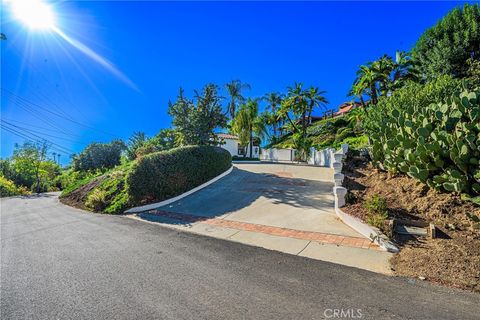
x,y
183,195
372,233
246,161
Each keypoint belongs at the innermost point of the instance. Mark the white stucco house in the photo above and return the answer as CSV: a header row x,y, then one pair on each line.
x,y
231,143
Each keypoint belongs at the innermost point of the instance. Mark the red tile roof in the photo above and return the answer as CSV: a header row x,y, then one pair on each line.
x,y
227,136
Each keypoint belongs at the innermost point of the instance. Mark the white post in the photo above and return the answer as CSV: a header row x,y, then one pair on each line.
x,y
340,193
338,178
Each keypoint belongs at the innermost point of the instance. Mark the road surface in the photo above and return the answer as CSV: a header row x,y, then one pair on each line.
x,y
62,263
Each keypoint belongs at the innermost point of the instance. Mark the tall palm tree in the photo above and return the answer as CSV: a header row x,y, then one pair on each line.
x,y
274,99
234,89
248,123
316,98
382,69
404,70
367,81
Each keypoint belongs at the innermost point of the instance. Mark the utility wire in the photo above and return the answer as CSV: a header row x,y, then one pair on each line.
x,y
37,138
21,135
39,132
54,113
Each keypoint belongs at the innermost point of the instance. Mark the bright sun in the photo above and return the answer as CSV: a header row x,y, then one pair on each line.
x,y
35,14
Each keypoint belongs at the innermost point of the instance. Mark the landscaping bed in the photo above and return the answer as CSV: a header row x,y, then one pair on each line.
x,y
152,178
454,257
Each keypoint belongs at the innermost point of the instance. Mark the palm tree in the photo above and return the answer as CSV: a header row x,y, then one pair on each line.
x,y
404,70
234,89
367,82
248,123
316,98
273,99
383,68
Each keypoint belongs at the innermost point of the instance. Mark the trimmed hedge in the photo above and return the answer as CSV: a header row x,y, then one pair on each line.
x,y
166,174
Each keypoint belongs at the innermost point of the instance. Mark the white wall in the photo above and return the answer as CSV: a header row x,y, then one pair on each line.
x,y
232,147
277,155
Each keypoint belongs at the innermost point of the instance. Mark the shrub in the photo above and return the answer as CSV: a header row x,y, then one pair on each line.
x,y
166,174
8,188
96,200
376,204
377,209
99,156
344,133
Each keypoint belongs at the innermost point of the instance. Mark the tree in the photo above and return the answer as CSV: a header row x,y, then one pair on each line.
x,y
248,123
165,139
99,156
274,100
299,105
381,77
445,48
30,166
196,121
234,89
136,141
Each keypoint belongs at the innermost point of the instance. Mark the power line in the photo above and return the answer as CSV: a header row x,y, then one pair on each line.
x,y
56,114
19,134
37,138
39,132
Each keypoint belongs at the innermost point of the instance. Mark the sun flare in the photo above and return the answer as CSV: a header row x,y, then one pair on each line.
x,y
35,14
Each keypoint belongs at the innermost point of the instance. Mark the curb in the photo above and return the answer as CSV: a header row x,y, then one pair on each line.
x,y
372,233
183,195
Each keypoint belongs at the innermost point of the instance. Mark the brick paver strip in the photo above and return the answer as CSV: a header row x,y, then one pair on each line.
x,y
275,231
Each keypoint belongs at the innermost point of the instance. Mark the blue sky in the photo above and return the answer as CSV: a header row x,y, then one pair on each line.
x,y
58,93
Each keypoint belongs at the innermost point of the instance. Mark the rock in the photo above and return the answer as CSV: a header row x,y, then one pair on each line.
x,y
421,278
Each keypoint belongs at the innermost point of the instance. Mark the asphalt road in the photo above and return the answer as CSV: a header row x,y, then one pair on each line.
x,y
61,263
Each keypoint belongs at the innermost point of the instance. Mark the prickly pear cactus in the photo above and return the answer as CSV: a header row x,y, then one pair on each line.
x,y
438,144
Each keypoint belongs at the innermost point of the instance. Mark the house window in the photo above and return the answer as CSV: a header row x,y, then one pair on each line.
x,y
242,150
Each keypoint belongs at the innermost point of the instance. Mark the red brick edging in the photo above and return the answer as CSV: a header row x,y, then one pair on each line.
x,y
275,231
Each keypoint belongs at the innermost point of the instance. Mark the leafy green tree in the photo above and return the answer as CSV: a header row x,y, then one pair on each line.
x,y
99,156
248,124
30,168
195,121
234,89
136,141
166,139
445,48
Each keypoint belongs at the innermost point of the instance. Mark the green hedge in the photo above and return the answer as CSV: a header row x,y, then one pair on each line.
x,y
162,175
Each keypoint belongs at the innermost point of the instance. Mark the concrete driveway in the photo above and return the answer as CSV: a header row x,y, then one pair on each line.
x,y
283,207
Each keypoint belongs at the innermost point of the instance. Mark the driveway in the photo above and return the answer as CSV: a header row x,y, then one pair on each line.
x,y
284,207
62,263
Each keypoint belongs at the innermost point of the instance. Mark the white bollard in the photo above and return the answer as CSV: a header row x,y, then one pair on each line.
x,y
338,178
338,157
340,193
337,167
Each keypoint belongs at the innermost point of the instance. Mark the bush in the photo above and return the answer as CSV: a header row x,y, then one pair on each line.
x,y
166,174
376,204
377,209
344,133
99,156
8,188
96,200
